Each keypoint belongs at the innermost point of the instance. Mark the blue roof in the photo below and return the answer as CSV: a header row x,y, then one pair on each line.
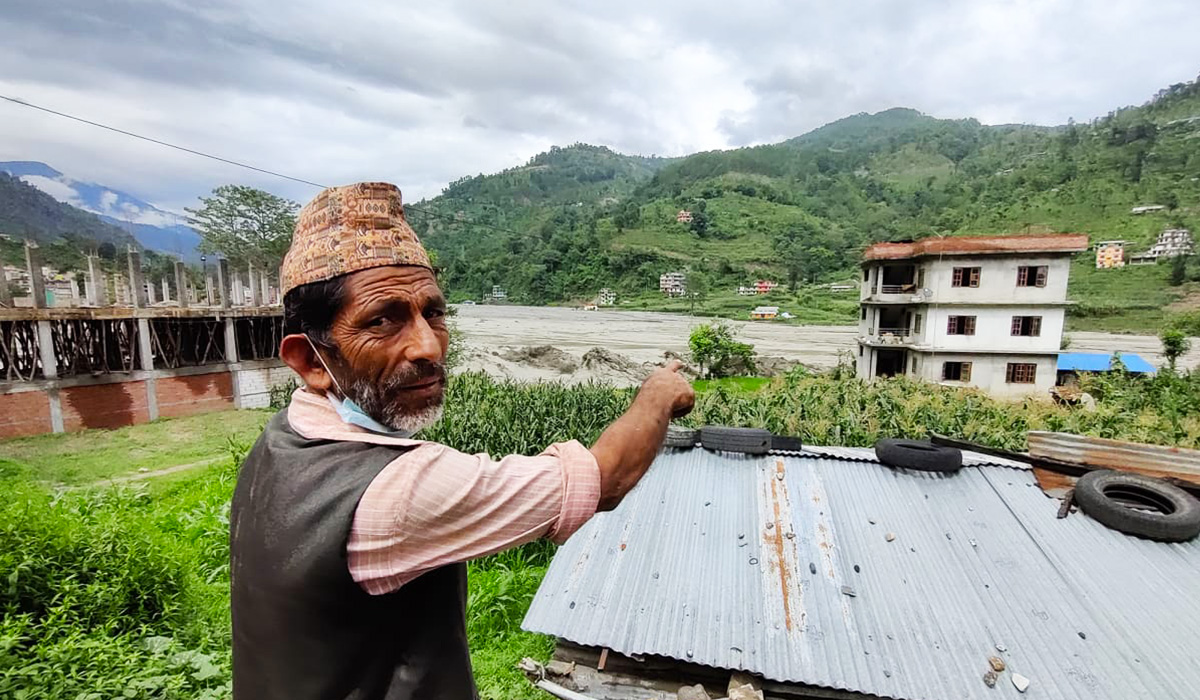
x,y
1101,362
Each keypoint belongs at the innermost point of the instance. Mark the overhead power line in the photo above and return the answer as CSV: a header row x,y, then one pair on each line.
x,y
160,143
202,154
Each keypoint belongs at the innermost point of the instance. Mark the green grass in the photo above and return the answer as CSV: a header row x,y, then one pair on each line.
x,y
744,384
811,306
1132,299
751,218
91,455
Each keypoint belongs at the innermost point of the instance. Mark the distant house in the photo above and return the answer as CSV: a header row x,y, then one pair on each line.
x,y
1172,243
684,216
747,291
992,316
764,313
673,284
1147,209
1110,254
842,287
498,294
764,286
607,297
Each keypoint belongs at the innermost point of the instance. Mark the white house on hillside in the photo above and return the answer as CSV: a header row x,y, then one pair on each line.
x,y
967,311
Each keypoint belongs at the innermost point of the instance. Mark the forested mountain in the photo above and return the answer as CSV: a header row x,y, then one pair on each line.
x,y
27,212
583,217
152,227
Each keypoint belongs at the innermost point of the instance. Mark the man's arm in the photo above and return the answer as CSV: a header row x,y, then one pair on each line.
x,y
434,506
626,449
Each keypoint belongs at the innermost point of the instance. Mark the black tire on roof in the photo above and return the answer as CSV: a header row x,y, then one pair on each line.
x,y
751,441
1139,505
921,455
782,443
679,436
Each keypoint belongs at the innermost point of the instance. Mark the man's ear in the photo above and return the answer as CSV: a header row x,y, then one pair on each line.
x,y
297,353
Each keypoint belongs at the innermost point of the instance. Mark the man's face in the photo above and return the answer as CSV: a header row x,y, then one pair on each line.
x,y
392,340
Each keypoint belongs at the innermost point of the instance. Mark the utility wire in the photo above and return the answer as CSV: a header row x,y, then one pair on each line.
x,y
202,154
153,140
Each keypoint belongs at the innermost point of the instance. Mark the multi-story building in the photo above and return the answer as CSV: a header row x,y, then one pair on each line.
x,y
1110,254
684,216
673,284
607,297
765,286
1172,243
967,311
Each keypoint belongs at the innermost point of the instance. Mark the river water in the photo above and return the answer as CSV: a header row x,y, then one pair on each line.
x,y
492,332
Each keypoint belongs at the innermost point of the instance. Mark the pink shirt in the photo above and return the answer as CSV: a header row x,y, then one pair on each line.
x,y
433,505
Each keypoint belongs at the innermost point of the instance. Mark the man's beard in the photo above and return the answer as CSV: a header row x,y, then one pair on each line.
x,y
381,400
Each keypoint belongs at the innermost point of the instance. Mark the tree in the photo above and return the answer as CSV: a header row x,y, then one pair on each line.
x,y
697,289
818,260
789,246
245,224
718,353
1175,345
1178,270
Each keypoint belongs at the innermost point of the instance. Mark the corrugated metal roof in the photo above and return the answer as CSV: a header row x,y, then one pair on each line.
x,y
780,565
1101,362
1155,460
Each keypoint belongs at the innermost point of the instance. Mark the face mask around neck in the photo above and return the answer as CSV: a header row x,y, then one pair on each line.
x,y
349,411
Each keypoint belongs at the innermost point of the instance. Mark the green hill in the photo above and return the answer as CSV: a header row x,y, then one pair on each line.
x,y
62,231
583,217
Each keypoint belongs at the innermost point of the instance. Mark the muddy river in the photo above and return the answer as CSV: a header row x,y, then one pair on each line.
x,y
498,339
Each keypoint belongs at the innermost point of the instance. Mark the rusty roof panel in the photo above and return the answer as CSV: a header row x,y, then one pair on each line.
x,y
978,245
1153,460
781,565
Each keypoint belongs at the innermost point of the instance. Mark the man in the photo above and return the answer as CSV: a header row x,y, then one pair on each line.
x,y
348,536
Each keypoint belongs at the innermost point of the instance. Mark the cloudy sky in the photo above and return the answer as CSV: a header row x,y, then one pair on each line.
x,y
336,91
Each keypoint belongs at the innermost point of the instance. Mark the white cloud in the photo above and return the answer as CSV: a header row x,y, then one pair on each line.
x,y
54,187
421,94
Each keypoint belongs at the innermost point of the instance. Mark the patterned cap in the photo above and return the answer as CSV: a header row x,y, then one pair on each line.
x,y
347,229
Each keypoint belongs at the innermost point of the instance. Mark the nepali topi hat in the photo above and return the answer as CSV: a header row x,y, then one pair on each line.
x,y
347,229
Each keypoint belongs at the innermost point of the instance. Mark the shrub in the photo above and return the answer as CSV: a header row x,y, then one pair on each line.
x,y
718,353
1175,344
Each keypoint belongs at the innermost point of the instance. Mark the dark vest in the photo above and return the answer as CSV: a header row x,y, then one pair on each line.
x,y
302,628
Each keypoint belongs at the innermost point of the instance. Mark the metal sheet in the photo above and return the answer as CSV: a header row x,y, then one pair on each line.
x,y
1154,460
781,566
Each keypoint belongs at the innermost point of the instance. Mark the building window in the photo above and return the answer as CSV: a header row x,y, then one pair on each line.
x,y
917,324
1032,275
864,313
1027,325
920,279
1021,373
966,277
866,274
914,365
860,351
961,325
956,371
